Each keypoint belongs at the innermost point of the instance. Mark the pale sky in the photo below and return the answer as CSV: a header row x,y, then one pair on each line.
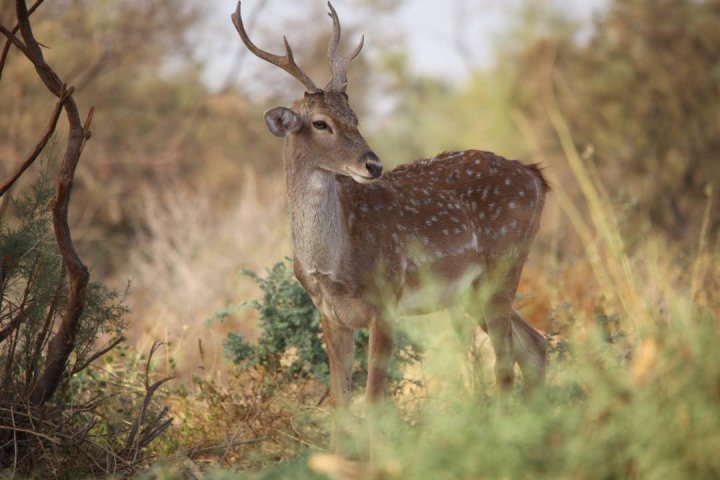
x,y
431,30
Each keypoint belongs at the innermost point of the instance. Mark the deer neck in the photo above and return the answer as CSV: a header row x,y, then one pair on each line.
x,y
319,230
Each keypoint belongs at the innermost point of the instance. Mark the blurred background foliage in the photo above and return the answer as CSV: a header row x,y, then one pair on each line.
x,y
640,92
181,186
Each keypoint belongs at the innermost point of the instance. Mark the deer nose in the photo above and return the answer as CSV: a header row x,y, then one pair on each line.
x,y
373,165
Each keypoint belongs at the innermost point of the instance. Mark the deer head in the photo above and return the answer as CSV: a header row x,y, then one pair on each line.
x,y
320,129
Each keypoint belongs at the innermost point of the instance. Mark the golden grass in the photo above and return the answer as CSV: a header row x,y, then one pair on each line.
x,y
188,266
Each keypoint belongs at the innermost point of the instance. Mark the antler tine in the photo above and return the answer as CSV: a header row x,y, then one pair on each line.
x,y
286,62
338,63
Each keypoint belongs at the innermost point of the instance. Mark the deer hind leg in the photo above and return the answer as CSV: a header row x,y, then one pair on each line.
x,y
380,353
498,318
340,345
493,315
529,350
498,327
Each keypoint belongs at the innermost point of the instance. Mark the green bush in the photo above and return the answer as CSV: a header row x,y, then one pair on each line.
x,y
33,288
603,417
606,414
290,340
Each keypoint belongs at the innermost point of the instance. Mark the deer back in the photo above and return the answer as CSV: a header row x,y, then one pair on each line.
x,y
447,215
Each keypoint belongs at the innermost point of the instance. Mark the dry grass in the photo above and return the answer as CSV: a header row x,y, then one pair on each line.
x,y
187,267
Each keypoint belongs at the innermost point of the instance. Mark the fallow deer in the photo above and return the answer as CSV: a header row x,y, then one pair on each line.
x,y
364,241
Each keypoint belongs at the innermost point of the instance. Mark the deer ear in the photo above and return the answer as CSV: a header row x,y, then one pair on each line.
x,y
282,121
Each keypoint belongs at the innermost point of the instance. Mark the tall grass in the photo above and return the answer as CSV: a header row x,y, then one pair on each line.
x,y
187,263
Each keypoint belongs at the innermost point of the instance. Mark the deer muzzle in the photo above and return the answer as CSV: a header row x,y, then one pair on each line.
x,y
366,169
373,165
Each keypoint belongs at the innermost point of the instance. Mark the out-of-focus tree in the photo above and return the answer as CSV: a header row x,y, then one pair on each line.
x,y
644,93
431,115
159,125
113,58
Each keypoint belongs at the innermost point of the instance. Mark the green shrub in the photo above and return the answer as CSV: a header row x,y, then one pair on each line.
x,y
604,416
290,340
33,287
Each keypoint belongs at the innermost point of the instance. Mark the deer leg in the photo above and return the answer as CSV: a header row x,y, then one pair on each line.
x,y
498,323
340,345
464,322
529,350
380,353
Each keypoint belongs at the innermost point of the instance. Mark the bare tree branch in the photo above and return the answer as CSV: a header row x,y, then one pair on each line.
x,y
6,47
63,342
42,337
5,186
155,426
15,41
95,356
19,318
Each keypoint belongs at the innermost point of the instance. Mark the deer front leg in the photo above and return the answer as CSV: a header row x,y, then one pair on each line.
x,y
340,345
380,353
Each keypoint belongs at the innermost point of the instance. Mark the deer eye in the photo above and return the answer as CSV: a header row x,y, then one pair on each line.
x,y
320,125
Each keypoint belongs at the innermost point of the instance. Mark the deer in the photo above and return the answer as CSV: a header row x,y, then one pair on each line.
x,y
364,241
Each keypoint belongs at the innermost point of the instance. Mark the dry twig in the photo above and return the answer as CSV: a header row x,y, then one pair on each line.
x,y
64,95
8,42
138,439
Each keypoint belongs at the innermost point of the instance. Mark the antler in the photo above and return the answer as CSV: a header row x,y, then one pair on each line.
x,y
286,62
339,64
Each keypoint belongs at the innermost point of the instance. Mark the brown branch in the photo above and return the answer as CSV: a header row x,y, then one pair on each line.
x,y
17,321
95,356
31,432
154,348
15,442
14,323
15,41
65,94
134,442
4,205
324,397
2,276
63,343
155,428
35,55
8,42
42,337
9,352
